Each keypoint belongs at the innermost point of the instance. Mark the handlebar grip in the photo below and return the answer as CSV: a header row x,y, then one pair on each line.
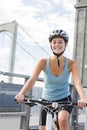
x,y
74,103
16,101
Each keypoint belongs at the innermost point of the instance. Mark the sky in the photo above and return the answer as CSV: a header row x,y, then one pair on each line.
x,y
40,17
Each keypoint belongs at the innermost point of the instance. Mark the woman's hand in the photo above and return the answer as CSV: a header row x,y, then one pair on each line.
x,y
82,102
19,98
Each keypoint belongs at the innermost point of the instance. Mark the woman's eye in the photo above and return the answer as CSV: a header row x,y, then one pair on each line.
x,y
60,42
54,42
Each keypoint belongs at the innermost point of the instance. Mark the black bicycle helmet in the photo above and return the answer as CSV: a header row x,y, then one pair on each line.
x,y
59,33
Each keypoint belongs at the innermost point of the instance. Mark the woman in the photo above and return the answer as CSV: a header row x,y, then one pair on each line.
x,y
57,69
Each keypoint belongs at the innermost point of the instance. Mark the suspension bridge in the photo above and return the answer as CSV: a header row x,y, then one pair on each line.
x,y
19,53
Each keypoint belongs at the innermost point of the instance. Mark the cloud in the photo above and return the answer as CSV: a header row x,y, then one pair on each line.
x,y
5,11
69,5
41,17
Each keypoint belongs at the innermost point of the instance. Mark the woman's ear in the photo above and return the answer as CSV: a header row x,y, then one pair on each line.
x,y
50,46
66,44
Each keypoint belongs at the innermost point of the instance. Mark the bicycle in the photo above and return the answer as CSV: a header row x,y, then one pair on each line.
x,y
52,109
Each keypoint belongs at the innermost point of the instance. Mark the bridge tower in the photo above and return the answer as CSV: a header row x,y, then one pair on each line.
x,y
80,38
11,27
80,47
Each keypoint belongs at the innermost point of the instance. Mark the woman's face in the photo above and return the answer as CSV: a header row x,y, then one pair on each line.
x,y
58,45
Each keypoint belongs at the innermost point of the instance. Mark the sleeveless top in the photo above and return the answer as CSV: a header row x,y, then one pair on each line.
x,y
55,87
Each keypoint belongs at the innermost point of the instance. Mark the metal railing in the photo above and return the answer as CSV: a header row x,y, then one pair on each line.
x,y
25,113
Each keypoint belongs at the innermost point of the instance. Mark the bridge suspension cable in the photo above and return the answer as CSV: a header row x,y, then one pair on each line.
x,y
35,41
23,48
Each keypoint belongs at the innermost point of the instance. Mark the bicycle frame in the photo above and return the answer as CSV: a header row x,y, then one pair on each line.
x,y
49,121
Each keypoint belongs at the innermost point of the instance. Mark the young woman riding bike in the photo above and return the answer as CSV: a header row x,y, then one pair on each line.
x,y
56,70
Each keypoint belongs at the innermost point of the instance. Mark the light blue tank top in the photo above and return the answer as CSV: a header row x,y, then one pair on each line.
x,y
55,87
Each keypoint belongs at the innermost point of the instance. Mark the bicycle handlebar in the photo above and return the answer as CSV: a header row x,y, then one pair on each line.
x,y
54,104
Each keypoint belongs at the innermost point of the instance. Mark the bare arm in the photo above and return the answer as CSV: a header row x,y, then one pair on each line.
x,y
76,78
31,81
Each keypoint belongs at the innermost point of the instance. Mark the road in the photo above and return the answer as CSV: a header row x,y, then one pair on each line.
x,y
9,123
13,123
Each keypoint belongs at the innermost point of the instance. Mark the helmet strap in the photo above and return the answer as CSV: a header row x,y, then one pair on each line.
x,y
58,55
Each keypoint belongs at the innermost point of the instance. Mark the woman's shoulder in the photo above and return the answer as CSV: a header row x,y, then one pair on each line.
x,y
43,62
72,63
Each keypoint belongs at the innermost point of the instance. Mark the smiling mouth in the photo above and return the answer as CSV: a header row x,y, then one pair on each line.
x,y
59,49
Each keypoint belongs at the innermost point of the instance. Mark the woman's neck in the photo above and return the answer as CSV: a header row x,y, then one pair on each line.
x,y
61,60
